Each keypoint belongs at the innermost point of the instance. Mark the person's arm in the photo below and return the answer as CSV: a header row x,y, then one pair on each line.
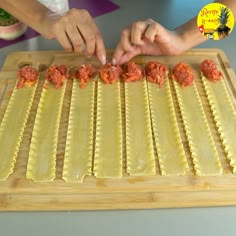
x,y
73,29
149,37
190,33
30,12
231,4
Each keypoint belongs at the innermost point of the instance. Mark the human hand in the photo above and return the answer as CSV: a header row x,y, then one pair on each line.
x,y
75,31
150,38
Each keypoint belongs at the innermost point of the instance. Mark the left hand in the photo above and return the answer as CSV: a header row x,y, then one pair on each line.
x,y
147,37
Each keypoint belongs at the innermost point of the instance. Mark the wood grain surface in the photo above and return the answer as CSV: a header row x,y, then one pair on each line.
x,y
20,194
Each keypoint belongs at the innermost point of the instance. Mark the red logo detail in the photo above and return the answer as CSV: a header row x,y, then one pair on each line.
x,y
201,28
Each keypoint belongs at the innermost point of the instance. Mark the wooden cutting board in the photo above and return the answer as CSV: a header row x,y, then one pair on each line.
x,y
20,194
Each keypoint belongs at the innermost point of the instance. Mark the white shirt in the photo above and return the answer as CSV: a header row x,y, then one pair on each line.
x,y
57,6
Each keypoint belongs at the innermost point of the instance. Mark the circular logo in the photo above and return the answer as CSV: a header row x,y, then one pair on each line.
x,y
215,21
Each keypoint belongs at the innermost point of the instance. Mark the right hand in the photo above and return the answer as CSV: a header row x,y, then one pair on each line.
x,y
75,30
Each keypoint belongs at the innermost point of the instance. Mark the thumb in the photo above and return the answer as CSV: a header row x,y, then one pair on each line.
x,y
127,56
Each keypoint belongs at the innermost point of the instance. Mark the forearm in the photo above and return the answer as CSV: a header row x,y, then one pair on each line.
x,y
31,12
190,34
189,31
231,4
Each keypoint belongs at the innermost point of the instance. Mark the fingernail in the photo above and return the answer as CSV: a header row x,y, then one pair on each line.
x,y
113,61
103,60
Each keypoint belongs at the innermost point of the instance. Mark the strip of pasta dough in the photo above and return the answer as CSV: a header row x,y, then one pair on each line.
x,y
170,150
139,142
108,141
79,142
42,155
224,115
205,157
12,127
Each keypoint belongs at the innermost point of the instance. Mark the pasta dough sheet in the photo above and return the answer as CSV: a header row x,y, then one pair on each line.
x,y
108,153
139,142
79,142
202,147
12,128
42,155
224,116
170,150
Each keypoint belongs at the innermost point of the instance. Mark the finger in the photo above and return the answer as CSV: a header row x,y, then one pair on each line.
x,y
88,31
137,30
100,50
88,36
125,57
65,42
79,30
125,42
117,54
152,31
75,38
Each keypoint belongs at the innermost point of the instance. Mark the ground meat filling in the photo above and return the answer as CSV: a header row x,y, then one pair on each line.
x,y
210,70
155,72
132,72
83,74
110,73
27,77
183,74
57,75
